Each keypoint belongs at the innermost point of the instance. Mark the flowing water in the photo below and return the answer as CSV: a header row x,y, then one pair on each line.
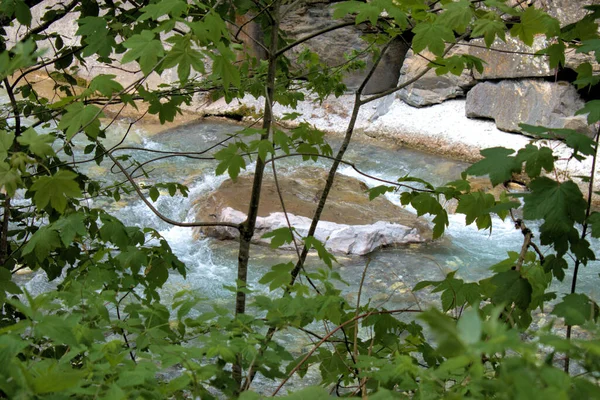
x,y
392,272
211,263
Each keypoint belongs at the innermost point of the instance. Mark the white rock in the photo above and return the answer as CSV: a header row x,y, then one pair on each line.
x,y
338,238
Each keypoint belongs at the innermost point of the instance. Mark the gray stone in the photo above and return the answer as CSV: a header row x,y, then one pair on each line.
x,y
510,59
431,88
566,11
332,47
338,238
532,102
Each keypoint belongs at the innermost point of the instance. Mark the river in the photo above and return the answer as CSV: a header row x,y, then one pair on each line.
x,y
392,272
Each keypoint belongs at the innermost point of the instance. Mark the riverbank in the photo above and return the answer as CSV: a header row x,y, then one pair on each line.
x,y
442,129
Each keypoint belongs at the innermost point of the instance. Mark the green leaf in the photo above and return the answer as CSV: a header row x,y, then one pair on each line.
x,y
157,272
96,36
534,21
10,179
426,203
114,231
105,85
408,178
144,48
576,309
560,205
168,110
56,379
594,222
536,158
456,15
585,76
497,163
79,117
264,147
511,288
432,36
69,227
231,161
489,27
592,109
475,206
154,193
278,276
56,190
6,141
279,237
154,11
324,255
556,54
312,393
380,190
23,13
38,144
282,140
589,46
184,57
42,242
556,265
469,326
224,68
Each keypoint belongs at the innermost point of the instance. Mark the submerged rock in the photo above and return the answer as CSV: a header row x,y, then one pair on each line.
x,y
350,223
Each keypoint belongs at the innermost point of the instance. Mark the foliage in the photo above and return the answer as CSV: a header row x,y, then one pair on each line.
x,y
105,331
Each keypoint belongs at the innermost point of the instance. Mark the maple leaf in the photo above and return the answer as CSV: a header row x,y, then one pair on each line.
x,y
457,15
511,287
576,309
80,117
592,109
42,242
96,36
594,222
165,7
38,144
489,27
560,205
184,57
231,161
69,227
144,48
224,68
497,163
278,276
590,45
56,190
475,206
534,21
6,142
432,36
106,85
535,159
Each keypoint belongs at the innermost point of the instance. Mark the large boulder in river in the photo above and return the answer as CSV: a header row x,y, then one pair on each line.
x,y
350,223
533,102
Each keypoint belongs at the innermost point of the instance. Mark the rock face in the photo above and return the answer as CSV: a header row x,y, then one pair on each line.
x,y
431,88
532,102
510,59
351,224
333,46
